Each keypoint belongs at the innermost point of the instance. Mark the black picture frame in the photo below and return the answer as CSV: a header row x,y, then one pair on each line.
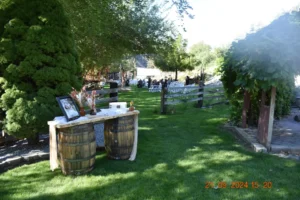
x,y
68,107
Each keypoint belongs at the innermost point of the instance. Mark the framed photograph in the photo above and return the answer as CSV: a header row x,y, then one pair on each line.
x,y
69,107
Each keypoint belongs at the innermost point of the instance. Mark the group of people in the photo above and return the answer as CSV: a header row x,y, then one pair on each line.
x,y
195,80
141,83
163,82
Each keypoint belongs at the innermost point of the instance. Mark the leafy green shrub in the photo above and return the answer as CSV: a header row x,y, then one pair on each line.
x,y
38,62
284,98
296,94
235,83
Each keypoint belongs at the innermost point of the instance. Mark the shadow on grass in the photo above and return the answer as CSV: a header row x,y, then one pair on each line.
x,y
177,155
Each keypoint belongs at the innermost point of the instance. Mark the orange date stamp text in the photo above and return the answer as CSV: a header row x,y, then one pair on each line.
x,y
239,185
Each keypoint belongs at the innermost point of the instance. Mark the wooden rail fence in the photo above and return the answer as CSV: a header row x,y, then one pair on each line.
x,y
204,96
104,96
214,95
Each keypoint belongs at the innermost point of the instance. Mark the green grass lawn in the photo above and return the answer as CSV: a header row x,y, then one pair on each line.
x,y
177,155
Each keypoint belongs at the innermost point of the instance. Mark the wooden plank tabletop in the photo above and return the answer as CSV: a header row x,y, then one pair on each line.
x,y
91,119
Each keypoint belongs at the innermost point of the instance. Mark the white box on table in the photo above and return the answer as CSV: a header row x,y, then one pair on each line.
x,y
118,105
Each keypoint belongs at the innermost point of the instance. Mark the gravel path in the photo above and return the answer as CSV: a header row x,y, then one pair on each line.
x,y
285,138
22,149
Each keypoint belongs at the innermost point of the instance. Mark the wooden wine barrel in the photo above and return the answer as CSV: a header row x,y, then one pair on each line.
x,y
119,137
77,149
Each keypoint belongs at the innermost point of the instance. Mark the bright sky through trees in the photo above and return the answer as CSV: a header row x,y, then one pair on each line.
x,y
219,22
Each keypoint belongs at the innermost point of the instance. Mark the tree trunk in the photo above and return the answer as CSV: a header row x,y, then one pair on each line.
x,y
176,73
245,108
122,75
251,116
123,78
106,73
34,139
271,117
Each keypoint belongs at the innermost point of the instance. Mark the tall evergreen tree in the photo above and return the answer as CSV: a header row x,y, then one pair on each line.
x,y
38,62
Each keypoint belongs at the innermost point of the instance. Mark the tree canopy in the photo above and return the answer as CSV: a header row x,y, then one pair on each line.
x,y
106,31
268,57
174,58
201,56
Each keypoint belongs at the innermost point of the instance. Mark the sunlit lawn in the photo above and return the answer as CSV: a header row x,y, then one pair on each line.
x,y
177,155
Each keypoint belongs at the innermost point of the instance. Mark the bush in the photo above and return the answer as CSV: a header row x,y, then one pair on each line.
x,y
38,62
